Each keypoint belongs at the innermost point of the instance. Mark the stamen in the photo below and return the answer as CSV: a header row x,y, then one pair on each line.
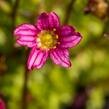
x,y
39,44
56,36
54,47
54,29
58,42
47,39
38,40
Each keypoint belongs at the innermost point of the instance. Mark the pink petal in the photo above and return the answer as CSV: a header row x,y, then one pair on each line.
x,y
42,22
25,38
32,57
27,43
66,30
2,104
60,57
26,35
54,21
25,30
37,58
41,59
69,38
48,21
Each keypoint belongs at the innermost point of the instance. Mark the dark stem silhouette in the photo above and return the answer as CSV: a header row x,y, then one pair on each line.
x,y
69,11
14,13
25,89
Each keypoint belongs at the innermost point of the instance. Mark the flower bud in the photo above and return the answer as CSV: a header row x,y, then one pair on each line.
x,y
2,104
97,7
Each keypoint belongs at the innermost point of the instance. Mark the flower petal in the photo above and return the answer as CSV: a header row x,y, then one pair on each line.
x,y
26,35
37,58
54,20
69,38
32,57
42,22
25,30
66,30
60,57
27,43
48,21
40,59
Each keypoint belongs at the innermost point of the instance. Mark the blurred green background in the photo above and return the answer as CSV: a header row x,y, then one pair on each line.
x,y
83,86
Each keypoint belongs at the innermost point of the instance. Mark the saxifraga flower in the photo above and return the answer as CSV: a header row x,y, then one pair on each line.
x,y
47,38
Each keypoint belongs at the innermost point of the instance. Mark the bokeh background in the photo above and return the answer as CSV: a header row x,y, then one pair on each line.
x,y
83,86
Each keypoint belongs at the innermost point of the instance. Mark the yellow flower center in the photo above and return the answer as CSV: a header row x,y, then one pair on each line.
x,y
47,40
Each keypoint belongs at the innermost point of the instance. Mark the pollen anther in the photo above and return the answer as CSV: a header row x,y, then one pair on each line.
x,y
38,40
54,29
56,36
58,42
39,44
54,47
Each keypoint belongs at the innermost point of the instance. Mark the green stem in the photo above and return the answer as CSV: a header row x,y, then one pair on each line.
x,y
25,89
69,11
25,84
14,13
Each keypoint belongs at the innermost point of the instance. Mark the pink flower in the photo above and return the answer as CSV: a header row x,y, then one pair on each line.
x,y
2,104
47,38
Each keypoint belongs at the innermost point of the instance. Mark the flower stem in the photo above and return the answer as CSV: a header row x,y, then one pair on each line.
x,y
25,89
68,11
14,13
